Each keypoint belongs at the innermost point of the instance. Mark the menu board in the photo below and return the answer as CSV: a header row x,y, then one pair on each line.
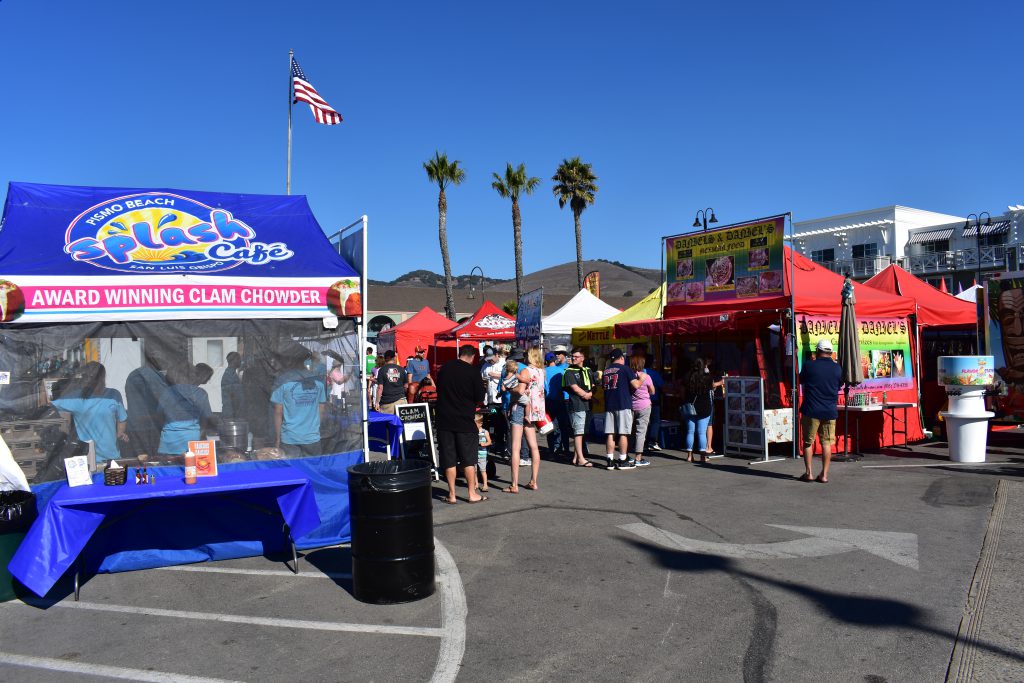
x,y
737,262
418,431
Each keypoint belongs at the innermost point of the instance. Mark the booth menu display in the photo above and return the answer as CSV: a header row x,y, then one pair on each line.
x,y
186,316
749,426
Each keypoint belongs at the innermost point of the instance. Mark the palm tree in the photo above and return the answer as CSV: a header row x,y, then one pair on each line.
x,y
444,173
575,185
512,186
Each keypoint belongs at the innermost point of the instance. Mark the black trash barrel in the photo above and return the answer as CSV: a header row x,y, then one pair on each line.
x,y
392,531
17,512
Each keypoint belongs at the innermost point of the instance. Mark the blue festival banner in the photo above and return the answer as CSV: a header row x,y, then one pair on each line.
x,y
528,314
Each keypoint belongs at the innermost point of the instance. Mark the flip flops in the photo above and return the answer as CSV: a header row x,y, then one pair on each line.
x,y
804,477
478,500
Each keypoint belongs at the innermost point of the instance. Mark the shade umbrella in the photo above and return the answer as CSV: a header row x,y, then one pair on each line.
x,y
849,350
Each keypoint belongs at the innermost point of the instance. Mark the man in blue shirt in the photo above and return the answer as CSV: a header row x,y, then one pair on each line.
x,y
555,398
619,381
418,368
298,399
819,385
98,411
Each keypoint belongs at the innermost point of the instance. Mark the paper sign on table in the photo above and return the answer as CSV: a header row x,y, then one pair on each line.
x,y
206,457
77,469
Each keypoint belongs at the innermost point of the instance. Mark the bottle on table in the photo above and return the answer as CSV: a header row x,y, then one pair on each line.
x,y
190,467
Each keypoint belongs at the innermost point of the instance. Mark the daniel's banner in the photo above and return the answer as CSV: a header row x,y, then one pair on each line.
x,y
884,349
737,262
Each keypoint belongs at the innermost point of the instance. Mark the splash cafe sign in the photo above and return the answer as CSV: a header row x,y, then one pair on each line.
x,y
165,233
161,255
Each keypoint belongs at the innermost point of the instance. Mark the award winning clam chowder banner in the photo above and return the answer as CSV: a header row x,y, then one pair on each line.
x,y
737,262
89,253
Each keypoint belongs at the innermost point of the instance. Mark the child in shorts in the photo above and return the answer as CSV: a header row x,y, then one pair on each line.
x,y
481,453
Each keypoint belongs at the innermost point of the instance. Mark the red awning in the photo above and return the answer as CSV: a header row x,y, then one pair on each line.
x,y
934,308
818,292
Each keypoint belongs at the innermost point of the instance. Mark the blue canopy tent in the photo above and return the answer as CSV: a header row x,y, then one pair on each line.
x,y
166,285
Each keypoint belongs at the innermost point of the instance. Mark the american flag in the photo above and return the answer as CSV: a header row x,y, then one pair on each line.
x,y
305,92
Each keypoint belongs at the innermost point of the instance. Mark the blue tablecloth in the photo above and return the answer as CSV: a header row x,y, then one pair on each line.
x,y
178,515
387,427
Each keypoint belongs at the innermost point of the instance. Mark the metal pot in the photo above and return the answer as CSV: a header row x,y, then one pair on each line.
x,y
234,434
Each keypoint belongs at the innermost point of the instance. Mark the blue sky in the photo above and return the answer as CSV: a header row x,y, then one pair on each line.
x,y
751,108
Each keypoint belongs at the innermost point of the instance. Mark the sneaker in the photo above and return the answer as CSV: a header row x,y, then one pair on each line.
x,y
610,464
643,463
525,462
627,464
654,447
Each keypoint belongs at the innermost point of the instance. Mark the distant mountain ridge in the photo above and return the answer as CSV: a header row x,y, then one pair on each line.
x,y
617,279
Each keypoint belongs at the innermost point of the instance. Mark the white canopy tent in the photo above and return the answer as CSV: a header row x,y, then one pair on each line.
x,y
969,294
582,309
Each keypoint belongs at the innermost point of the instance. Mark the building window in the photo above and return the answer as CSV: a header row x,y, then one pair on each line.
x,y
865,250
823,255
994,240
934,246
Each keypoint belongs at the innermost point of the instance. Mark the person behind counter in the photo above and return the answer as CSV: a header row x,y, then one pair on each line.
x,y
232,393
98,412
143,389
298,399
184,406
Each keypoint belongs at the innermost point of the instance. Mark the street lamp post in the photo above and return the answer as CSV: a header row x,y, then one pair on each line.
x,y
977,243
977,235
702,218
472,289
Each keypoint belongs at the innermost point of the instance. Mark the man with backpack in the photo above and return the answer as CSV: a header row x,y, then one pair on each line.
x,y
578,384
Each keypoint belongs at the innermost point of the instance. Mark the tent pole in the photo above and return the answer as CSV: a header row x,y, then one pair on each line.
x,y
794,358
362,349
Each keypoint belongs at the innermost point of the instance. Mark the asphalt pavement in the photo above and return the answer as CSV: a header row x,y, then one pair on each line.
x,y
723,572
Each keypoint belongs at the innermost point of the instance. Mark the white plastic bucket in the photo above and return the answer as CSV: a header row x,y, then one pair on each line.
x,y
968,436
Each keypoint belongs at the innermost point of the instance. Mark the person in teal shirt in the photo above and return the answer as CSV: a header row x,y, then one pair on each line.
x,y
298,398
184,406
98,412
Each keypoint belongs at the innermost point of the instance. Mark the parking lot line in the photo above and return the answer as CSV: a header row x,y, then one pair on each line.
x,y
242,619
119,672
256,572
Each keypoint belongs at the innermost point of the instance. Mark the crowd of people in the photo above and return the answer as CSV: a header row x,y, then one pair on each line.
x,y
523,394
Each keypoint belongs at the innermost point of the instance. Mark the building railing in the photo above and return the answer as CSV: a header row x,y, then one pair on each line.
x,y
996,257
859,268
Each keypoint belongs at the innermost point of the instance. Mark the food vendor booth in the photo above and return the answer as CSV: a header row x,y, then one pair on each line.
x,y
733,297
488,325
582,309
223,320
602,334
420,330
944,326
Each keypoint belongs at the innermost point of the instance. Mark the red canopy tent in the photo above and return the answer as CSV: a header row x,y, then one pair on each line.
x,y
489,323
934,309
419,330
816,293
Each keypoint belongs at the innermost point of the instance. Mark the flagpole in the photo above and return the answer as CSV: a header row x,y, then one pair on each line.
x,y
288,176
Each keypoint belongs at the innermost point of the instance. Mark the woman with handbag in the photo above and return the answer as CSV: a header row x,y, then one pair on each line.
x,y
697,408
526,410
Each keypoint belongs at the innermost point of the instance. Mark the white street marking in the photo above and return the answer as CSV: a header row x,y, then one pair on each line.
x,y
942,464
255,572
102,670
254,621
453,616
900,548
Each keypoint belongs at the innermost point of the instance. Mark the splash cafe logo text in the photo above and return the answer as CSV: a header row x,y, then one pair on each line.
x,y
165,233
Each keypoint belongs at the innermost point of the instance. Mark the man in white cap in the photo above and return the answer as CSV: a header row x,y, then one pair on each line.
x,y
819,386
556,403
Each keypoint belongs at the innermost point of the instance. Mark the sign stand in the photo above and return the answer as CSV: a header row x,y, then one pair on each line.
x,y
746,428
418,433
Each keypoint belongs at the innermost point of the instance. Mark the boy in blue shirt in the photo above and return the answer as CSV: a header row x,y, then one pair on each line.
x,y
99,412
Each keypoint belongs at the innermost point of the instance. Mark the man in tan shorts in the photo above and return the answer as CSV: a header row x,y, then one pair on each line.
x,y
819,387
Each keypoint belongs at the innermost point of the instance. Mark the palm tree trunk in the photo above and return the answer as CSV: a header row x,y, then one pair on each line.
x,y
442,233
517,240
579,249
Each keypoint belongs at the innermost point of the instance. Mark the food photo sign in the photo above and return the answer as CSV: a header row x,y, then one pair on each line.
x,y
742,261
884,349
